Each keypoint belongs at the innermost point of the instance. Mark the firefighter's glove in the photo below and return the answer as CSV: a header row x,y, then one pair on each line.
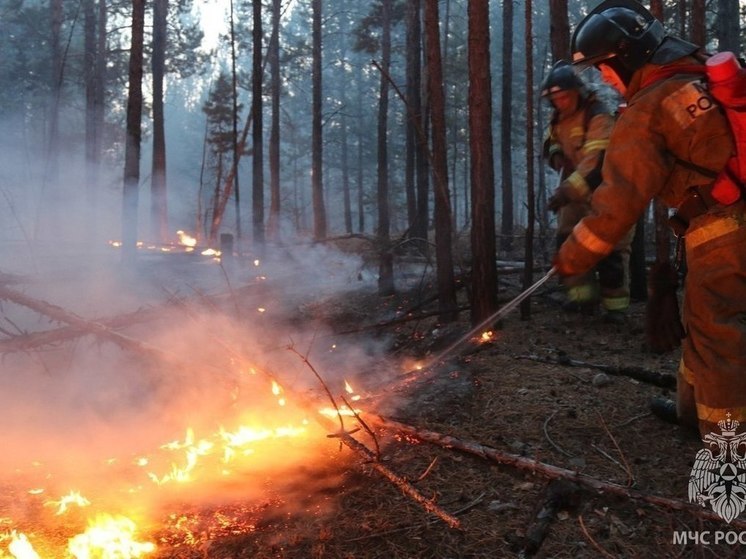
x,y
561,197
663,328
560,163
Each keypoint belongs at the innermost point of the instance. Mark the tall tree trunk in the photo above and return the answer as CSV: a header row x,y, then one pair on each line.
x,y
559,29
728,28
360,139
257,162
344,133
698,33
317,184
273,225
238,146
506,147
134,133
386,266
528,270
158,198
443,236
91,130
51,198
413,94
483,246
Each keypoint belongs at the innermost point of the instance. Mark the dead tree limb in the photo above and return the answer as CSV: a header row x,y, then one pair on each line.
x,y
547,470
61,315
655,378
34,340
368,455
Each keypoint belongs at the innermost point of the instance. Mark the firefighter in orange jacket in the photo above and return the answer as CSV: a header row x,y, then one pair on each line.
x,y
575,145
669,144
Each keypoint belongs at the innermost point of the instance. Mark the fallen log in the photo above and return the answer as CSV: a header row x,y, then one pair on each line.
x,y
34,340
547,470
663,380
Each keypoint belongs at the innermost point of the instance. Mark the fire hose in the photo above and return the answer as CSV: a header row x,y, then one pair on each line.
x,y
504,310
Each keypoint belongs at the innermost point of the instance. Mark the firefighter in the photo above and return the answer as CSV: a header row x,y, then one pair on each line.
x,y
671,143
574,147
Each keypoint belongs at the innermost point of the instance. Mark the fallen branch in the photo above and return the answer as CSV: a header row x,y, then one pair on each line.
x,y
368,455
547,470
61,315
655,378
26,342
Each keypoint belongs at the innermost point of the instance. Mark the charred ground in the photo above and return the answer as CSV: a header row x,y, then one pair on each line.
x,y
534,391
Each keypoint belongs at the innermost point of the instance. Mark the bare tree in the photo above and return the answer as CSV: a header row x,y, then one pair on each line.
x,y
385,268
317,185
257,135
443,240
158,199
273,225
728,30
483,246
530,202
134,133
698,33
506,156
559,29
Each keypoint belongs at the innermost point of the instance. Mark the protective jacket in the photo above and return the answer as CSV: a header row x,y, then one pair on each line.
x,y
667,124
582,138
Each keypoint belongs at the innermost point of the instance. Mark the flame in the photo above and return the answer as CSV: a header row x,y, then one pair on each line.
x,y
343,411
109,537
185,239
20,547
72,498
487,336
353,396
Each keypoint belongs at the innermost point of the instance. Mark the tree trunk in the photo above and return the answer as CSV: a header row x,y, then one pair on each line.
x,y
273,225
134,133
91,129
698,33
257,162
528,271
317,185
385,268
483,249
728,29
238,147
443,247
506,147
413,93
158,199
559,29
360,139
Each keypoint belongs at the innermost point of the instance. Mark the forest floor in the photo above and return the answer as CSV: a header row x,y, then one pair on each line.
x,y
552,393
543,389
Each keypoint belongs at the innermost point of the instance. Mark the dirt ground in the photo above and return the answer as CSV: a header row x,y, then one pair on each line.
x,y
557,391
544,389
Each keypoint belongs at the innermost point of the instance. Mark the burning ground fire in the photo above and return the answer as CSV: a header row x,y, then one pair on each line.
x,y
117,523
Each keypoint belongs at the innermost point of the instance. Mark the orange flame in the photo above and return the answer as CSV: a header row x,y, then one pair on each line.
x,y
109,537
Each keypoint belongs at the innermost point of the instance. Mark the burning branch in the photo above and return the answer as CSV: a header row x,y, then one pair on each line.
x,y
372,458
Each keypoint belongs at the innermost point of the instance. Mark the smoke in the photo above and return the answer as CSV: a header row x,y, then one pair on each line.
x,y
223,351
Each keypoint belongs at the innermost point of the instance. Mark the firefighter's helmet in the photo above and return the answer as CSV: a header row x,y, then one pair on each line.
x,y
622,30
562,77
